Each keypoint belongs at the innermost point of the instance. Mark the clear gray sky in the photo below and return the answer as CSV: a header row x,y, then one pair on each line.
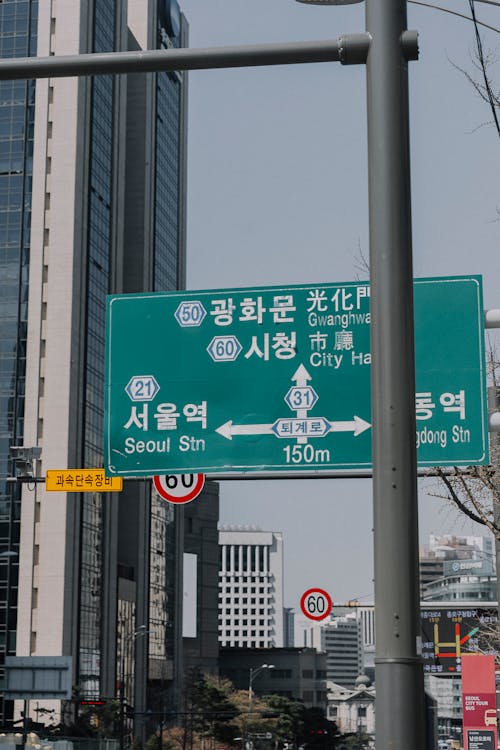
x,y
277,194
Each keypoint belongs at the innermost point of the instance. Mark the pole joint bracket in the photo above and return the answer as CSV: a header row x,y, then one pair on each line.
x,y
409,45
353,48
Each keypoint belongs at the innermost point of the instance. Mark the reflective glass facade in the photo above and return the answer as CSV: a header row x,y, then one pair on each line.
x,y
167,209
95,141
18,23
162,589
100,214
167,227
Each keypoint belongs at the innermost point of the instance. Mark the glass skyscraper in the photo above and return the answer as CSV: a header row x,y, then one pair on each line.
x,y
92,202
18,25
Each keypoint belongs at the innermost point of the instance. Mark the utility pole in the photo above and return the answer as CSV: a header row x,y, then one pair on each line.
x,y
398,668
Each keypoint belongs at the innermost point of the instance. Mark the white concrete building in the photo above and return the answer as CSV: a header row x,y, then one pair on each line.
x,y
352,710
307,632
251,587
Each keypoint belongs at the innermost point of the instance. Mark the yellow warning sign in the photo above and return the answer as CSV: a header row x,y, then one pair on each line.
x,y
81,480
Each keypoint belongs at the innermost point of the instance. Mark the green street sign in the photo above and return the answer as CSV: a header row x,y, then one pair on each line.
x,y
278,379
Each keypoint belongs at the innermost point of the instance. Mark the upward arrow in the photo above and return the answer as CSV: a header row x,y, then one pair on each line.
x,y
301,376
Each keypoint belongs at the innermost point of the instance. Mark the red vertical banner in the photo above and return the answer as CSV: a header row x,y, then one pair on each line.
x,y
479,702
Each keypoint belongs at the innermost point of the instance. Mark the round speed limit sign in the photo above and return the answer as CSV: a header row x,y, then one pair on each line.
x,y
179,488
316,604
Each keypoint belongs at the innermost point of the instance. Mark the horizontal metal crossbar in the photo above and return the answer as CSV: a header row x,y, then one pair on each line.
x,y
348,49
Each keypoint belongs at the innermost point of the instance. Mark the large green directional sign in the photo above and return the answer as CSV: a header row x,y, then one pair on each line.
x,y
274,379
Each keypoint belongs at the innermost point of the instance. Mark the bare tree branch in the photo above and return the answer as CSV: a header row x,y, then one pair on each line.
x,y
455,498
475,491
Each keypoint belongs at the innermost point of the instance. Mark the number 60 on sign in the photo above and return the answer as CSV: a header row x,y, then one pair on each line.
x,y
179,488
316,604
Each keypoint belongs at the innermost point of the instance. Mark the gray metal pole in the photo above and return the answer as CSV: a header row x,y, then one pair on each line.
x,y
494,406
349,49
398,669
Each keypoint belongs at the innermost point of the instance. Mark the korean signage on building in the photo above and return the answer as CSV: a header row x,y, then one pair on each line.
x,y
448,633
479,702
278,378
453,568
81,480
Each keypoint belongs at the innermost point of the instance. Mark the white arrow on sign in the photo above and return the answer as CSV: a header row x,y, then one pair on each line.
x,y
301,376
357,426
228,429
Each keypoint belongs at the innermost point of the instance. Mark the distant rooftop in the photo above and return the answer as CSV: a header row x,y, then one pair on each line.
x,y
239,527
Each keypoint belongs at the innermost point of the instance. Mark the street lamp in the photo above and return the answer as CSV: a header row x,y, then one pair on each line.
x,y
124,655
253,674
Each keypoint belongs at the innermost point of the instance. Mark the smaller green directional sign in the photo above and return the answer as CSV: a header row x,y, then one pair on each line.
x,y
278,378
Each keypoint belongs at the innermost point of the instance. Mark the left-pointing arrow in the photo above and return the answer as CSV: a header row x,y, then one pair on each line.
x,y
228,429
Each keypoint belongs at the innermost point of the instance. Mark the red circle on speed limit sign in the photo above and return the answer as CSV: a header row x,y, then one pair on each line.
x,y
179,488
316,604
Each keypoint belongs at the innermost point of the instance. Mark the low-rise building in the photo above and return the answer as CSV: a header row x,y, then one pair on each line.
x,y
297,673
352,709
472,580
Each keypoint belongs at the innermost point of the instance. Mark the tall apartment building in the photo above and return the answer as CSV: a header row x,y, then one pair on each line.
x,y
92,181
250,587
342,639
201,584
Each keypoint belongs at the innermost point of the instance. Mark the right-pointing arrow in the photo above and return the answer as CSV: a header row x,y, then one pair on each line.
x,y
356,426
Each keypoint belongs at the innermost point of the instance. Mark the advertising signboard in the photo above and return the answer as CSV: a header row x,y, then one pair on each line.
x,y
479,702
38,677
449,632
81,480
